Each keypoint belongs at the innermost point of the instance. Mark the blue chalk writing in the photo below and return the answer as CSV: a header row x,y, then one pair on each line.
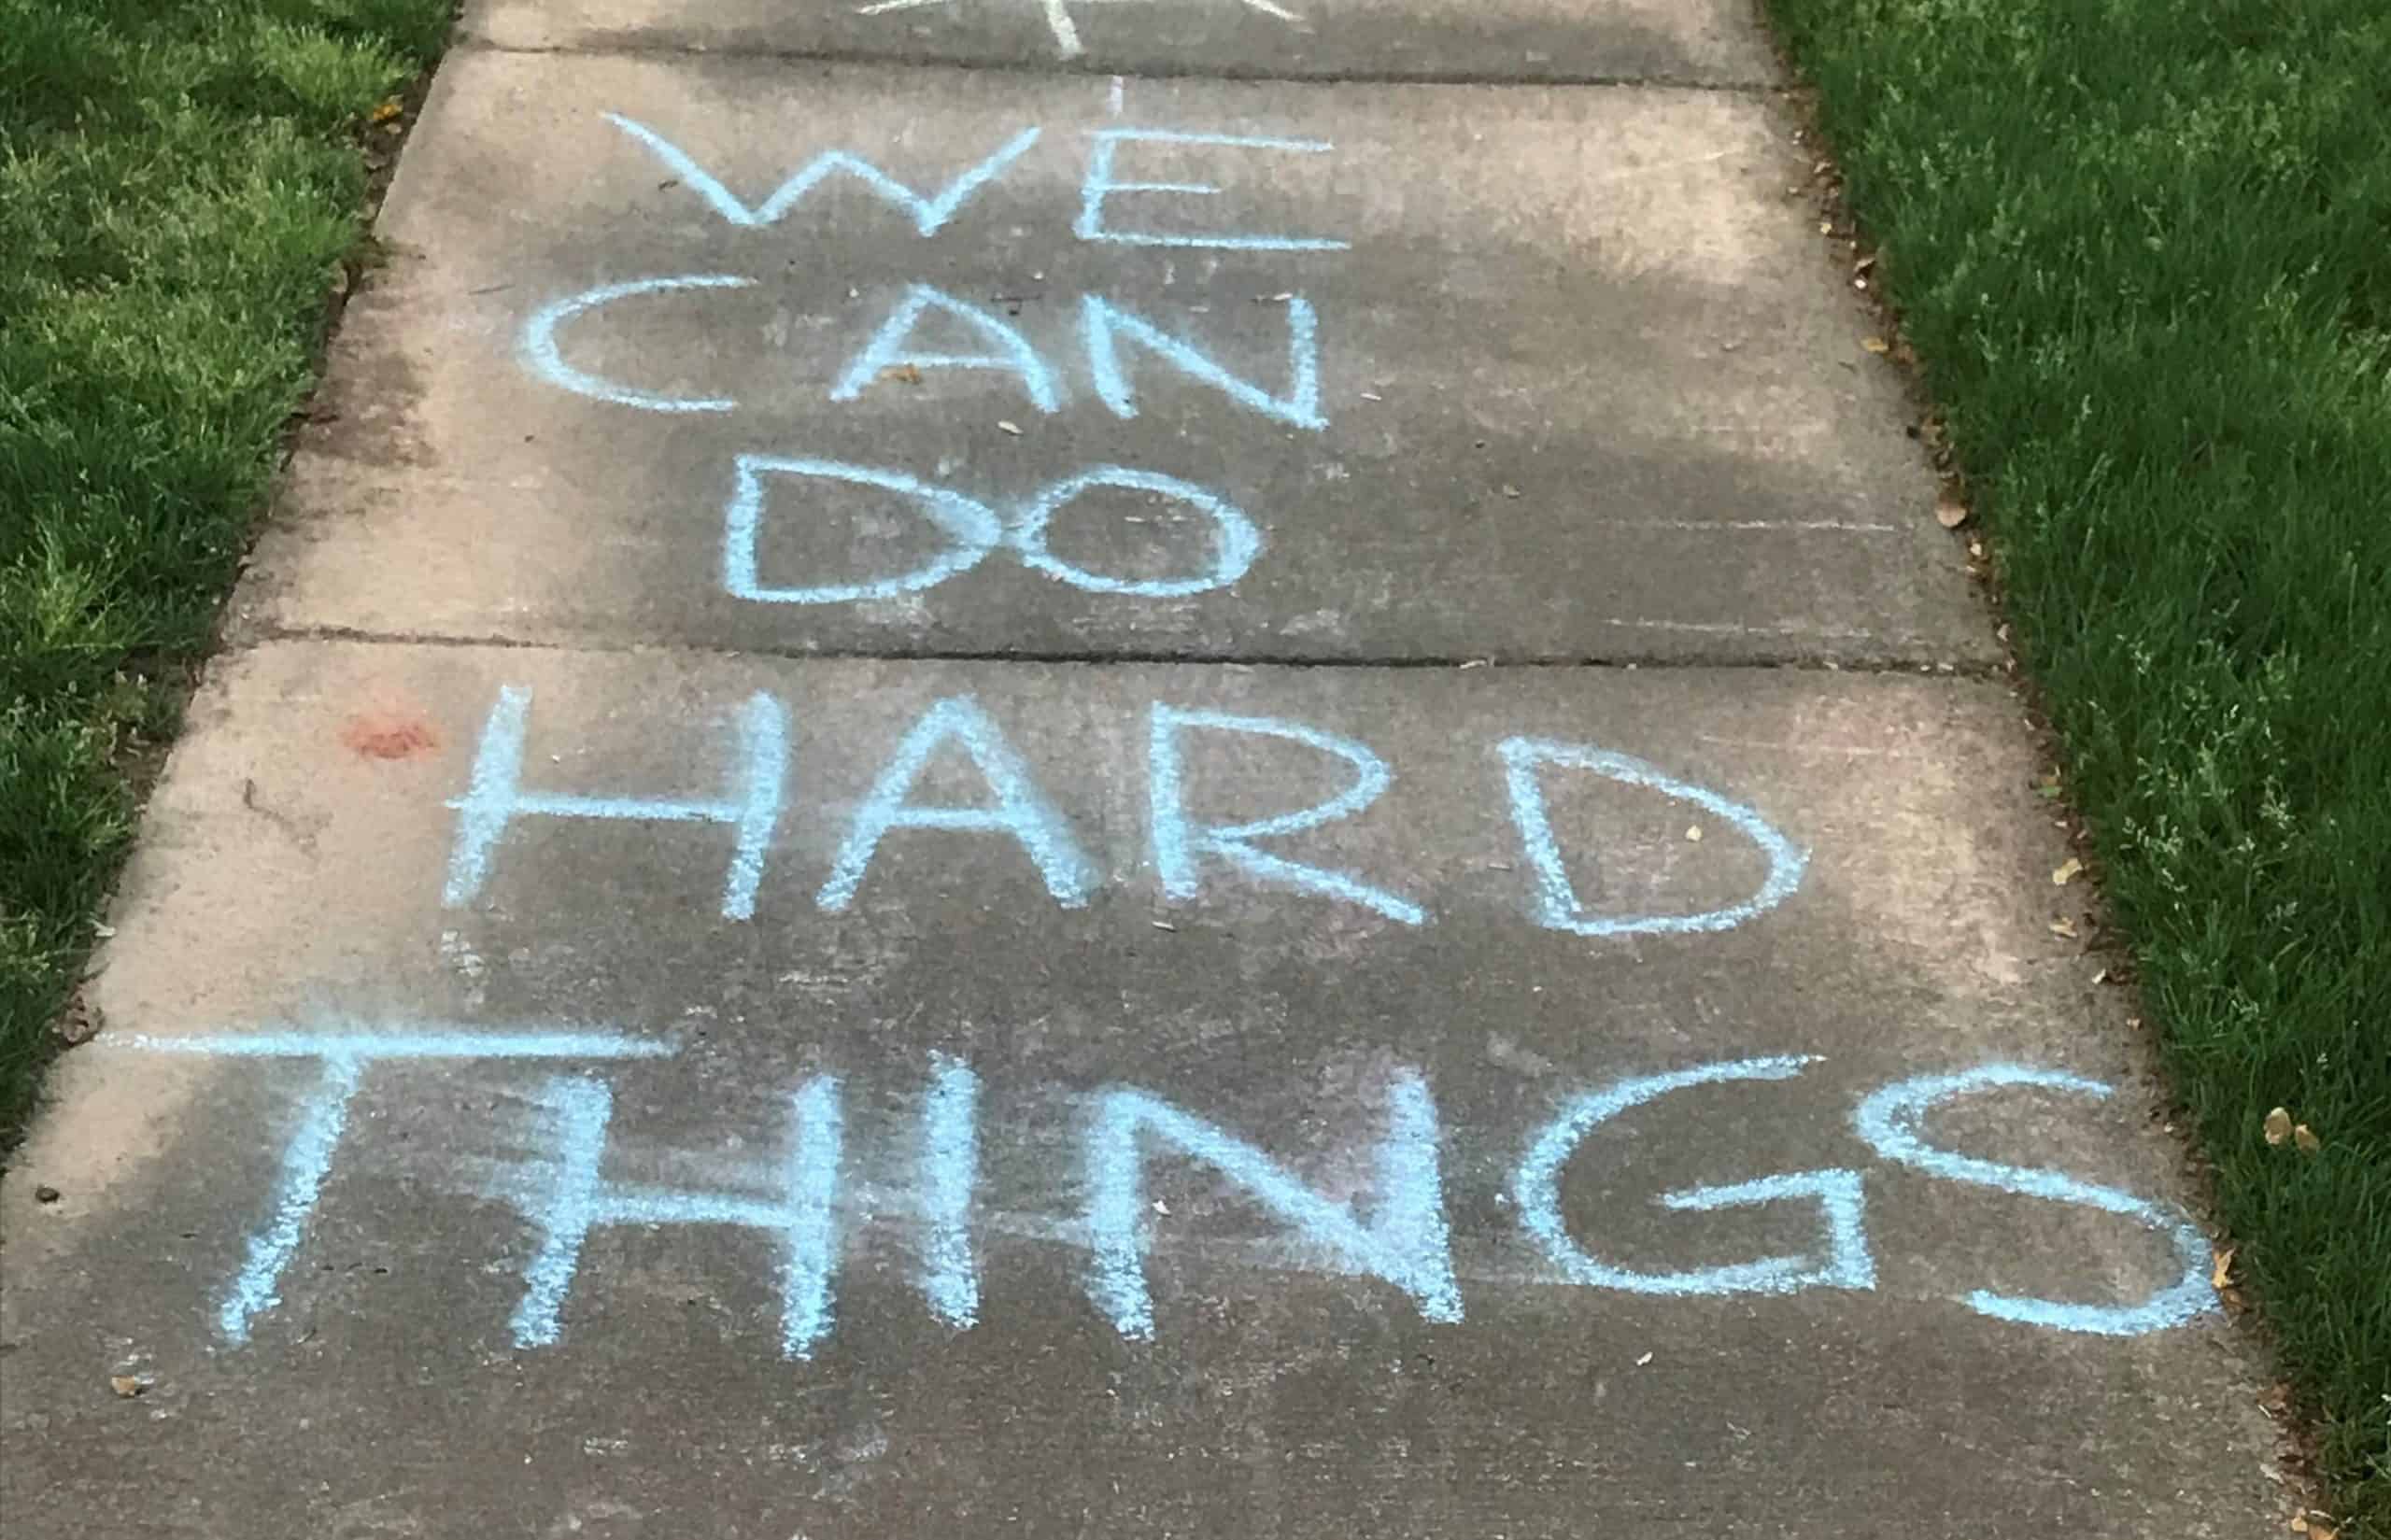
x,y
494,797
541,355
1182,846
886,349
1405,1242
1099,185
569,1209
973,528
950,1171
306,1158
928,213
813,1225
1557,905
305,1161
1101,321
1888,1121
1019,810
1536,1187
367,1046
574,1200
1235,540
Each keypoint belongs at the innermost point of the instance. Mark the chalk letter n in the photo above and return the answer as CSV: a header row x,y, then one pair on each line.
x,y
1100,320
1404,1242
495,798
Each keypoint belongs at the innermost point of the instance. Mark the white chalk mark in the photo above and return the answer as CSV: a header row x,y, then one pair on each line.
x,y
1736,628
1067,36
1067,32
1808,526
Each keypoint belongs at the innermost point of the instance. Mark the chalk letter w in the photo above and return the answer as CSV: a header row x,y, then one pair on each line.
x,y
928,213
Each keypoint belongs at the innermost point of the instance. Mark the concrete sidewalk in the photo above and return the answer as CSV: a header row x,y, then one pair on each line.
x,y
1242,798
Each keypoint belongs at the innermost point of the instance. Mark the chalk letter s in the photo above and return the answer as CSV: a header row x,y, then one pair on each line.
x,y
1888,1121
1838,1193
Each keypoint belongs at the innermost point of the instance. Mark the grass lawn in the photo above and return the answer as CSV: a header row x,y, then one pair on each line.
x,y
179,183
2143,249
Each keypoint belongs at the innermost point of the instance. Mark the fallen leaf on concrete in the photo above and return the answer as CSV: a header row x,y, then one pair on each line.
x,y
2278,1126
1875,344
1012,428
1694,832
2222,1274
1949,512
126,1386
2067,872
2063,927
2304,1139
904,372
1509,490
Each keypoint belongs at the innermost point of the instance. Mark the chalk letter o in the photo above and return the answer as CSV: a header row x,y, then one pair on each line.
x,y
1235,544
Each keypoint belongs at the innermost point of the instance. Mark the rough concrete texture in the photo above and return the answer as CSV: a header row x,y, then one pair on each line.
x,y
1693,42
1221,1102
293,875
1588,389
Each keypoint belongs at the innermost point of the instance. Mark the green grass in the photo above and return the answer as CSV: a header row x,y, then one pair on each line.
x,y
2143,249
180,182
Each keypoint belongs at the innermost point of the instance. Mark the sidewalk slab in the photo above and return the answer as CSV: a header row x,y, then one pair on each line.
x,y
369,1308
1700,42
1510,373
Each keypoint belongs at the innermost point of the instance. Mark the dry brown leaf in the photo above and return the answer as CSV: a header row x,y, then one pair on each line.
x,y
2304,1139
2222,1274
2278,1126
2063,927
125,1385
906,373
2067,872
388,110
1875,344
1949,512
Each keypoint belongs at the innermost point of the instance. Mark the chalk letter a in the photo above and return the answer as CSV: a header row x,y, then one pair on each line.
x,y
1020,811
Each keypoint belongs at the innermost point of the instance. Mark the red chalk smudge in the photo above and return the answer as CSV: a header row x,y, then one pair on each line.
x,y
387,736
